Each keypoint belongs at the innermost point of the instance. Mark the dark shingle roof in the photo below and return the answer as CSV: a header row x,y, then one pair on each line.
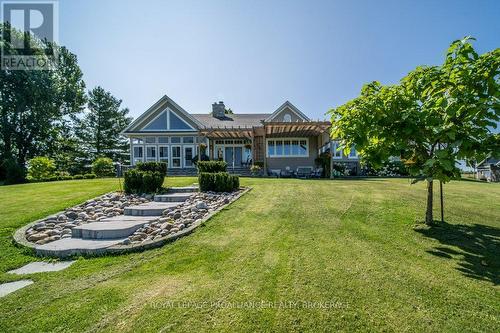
x,y
232,120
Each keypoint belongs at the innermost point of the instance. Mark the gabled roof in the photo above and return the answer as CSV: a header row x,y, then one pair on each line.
x,y
292,107
243,120
488,161
155,107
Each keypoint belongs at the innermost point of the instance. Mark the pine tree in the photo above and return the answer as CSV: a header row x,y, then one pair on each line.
x,y
99,129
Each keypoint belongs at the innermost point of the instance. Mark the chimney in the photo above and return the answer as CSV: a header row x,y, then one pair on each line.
x,y
219,110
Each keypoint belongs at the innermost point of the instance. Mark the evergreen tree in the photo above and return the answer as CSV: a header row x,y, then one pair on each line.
x,y
98,131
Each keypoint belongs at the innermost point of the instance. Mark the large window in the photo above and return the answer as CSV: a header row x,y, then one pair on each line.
x,y
337,151
176,156
163,154
353,153
151,153
287,148
138,154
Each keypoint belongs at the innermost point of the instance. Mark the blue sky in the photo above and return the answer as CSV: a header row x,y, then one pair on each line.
x,y
254,55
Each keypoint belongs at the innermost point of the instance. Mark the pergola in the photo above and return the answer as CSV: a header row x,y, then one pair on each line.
x,y
298,129
271,129
228,133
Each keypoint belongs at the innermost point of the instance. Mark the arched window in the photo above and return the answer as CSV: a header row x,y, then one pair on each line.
x,y
287,118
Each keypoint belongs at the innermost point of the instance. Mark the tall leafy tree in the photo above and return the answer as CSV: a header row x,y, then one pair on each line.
x,y
435,117
35,103
99,129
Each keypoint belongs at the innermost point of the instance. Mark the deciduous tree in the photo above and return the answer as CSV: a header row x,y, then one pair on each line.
x,y
435,116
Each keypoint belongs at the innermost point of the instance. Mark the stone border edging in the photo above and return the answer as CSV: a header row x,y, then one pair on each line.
x,y
19,237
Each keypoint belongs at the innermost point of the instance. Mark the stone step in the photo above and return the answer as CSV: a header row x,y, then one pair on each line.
x,y
150,208
75,246
111,228
185,189
173,197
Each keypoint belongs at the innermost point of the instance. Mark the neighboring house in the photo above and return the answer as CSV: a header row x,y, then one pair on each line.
x,y
489,169
285,139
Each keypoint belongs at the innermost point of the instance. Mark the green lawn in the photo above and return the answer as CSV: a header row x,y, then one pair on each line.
x,y
339,255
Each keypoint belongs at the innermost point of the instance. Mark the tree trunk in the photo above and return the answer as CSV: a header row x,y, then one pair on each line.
x,y
428,213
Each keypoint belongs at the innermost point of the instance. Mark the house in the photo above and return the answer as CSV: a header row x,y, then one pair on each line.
x,y
489,169
285,139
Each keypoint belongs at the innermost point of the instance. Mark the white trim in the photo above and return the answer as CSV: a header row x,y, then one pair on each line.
x,y
155,108
282,139
292,108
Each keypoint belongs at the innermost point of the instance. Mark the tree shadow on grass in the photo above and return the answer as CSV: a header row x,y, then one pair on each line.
x,y
476,247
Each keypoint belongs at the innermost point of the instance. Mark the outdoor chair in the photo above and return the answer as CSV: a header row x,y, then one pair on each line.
x,y
317,173
303,172
287,173
274,173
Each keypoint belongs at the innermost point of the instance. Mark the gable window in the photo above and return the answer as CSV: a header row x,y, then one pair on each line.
x,y
158,124
287,148
177,124
287,118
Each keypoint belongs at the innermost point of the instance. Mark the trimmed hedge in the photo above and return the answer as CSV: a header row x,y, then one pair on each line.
x,y
89,176
160,167
218,182
137,181
211,166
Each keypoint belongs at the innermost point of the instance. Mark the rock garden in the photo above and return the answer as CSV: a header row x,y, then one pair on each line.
x,y
60,226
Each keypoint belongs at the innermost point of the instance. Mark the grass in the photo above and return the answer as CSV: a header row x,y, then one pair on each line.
x,y
291,255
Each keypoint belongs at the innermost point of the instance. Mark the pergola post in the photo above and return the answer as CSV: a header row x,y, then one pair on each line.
x,y
265,151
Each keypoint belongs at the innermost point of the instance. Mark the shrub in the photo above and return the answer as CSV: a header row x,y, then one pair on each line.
x,y
160,167
133,181
41,167
218,182
152,181
79,176
259,163
14,173
103,167
89,176
211,166
255,169
137,181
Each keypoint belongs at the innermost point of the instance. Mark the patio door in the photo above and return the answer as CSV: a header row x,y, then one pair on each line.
x,y
176,157
233,156
188,156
